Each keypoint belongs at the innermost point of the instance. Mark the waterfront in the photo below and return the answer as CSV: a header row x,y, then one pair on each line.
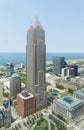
x,y
18,58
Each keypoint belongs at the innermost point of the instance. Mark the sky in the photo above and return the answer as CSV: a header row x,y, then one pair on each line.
x,y
62,20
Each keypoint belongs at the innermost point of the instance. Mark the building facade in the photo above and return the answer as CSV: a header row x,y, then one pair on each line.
x,y
58,64
68,107
9,69
25,103
35,59
67,73
15,86
75,67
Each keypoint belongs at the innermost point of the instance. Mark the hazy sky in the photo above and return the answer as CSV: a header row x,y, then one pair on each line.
x,y
62,20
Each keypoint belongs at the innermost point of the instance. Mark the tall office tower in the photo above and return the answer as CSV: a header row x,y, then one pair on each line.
x,y
15,86
1,94
35,56
58,64
9,69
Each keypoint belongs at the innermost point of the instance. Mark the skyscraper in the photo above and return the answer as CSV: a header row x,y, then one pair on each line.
x,y
35,58
58,64
15,86
9,69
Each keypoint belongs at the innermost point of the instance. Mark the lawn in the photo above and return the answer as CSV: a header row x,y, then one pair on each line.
x,y
41,125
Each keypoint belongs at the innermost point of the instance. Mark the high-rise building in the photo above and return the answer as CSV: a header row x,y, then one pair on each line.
x,y
58,64
15,86
9,69
35,58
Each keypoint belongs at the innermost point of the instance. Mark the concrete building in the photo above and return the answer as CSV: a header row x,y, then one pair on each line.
x,y
25,103
68,107
58,64
1,94
15,86
35,58
9,69
79,94
67,73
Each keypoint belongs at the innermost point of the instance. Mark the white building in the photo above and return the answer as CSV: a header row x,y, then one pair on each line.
x,y
67,73
68,107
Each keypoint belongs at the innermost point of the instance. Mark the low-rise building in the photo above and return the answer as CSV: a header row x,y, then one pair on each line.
x,y
25,103
69,107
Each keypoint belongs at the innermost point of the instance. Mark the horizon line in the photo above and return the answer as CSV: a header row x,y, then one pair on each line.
x,y
46,52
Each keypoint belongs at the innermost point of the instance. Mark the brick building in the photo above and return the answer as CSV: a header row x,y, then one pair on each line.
x,y
25,103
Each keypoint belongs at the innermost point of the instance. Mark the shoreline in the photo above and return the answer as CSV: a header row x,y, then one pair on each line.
x,y
72,60
77,60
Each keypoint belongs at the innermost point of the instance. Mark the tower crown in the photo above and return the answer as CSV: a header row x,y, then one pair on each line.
x,y
36,23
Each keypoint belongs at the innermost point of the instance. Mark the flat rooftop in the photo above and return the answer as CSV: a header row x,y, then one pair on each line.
x,y
25,95
80,92
68,101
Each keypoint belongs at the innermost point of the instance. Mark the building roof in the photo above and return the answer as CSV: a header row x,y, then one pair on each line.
x,y
80,92
36,23
15,76
25,95
68,101
9,64
58,57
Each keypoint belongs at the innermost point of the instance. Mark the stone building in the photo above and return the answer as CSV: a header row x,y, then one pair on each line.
x,y
15,86
68,107
35,58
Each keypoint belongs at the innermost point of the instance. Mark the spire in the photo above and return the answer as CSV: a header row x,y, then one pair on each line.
x,y
36,23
